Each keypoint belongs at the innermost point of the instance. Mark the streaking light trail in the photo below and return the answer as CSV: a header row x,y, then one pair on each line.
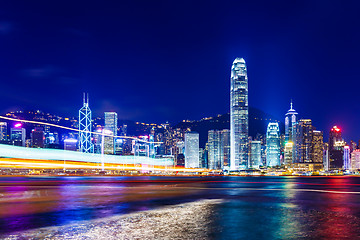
x,y
9,151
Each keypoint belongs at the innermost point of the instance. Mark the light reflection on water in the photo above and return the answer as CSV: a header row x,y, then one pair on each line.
x,y
253,207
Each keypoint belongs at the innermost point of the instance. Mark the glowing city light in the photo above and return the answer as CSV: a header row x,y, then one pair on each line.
x,y
336,129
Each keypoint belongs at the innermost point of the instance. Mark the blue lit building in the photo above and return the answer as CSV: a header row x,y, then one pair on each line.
x,y
347,163
110,128
255,154
85,143
192,150
273,145
290,122
239,115
218,149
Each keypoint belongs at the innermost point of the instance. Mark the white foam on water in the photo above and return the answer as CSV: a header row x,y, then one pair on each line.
x,y
183,221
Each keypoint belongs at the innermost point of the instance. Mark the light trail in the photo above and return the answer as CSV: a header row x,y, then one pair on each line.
x,y
73,129
51,164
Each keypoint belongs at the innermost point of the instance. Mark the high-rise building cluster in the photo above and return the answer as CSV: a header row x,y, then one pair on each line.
x,y
300,147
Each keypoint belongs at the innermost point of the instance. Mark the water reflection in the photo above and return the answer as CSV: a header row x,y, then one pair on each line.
x,y
253,207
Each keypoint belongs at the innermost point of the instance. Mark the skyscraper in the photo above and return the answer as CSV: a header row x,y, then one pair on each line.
x,y
37,137
317,147
85,143
239,115
225,145
214,154
218,148
347,163
336,148
273,145
326,162
290,121
3,131
303,140
255,154
288,153
355,160
18,135
192,150
110,129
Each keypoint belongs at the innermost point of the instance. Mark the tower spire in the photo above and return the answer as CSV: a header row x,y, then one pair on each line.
x,y
291,105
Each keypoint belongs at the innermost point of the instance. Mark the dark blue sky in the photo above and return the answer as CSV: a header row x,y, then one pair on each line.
x,y
154,61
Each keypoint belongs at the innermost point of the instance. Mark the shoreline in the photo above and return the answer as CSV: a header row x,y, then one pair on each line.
x,y
174,221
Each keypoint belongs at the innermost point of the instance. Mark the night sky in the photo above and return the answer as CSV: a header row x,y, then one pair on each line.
x,y
157,61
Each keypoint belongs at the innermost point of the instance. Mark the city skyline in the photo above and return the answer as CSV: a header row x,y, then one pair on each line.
x,y
58,60
179,119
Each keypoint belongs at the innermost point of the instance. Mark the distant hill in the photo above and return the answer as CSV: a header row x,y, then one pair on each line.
x,y
258,121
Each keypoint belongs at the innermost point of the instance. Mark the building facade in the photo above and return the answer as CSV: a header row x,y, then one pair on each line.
x,y
218,149
214,152
3,131
70,144
239,115
290,122
326,162
110,128
303,141
336,148
18,135
38,138
273,145
225,145
288,153
192,150
317,146
347,163
355,160
255,155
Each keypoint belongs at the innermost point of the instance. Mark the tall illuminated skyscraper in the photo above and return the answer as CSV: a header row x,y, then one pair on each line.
x,y
303,141
239,115
290,121
218,149
255,154
347,163
225,145
192,150
336,148
85,143
288,153
273,145
214,154
110,129
317,147
355,160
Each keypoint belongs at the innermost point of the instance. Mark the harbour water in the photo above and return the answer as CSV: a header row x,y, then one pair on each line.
x,y
180,207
